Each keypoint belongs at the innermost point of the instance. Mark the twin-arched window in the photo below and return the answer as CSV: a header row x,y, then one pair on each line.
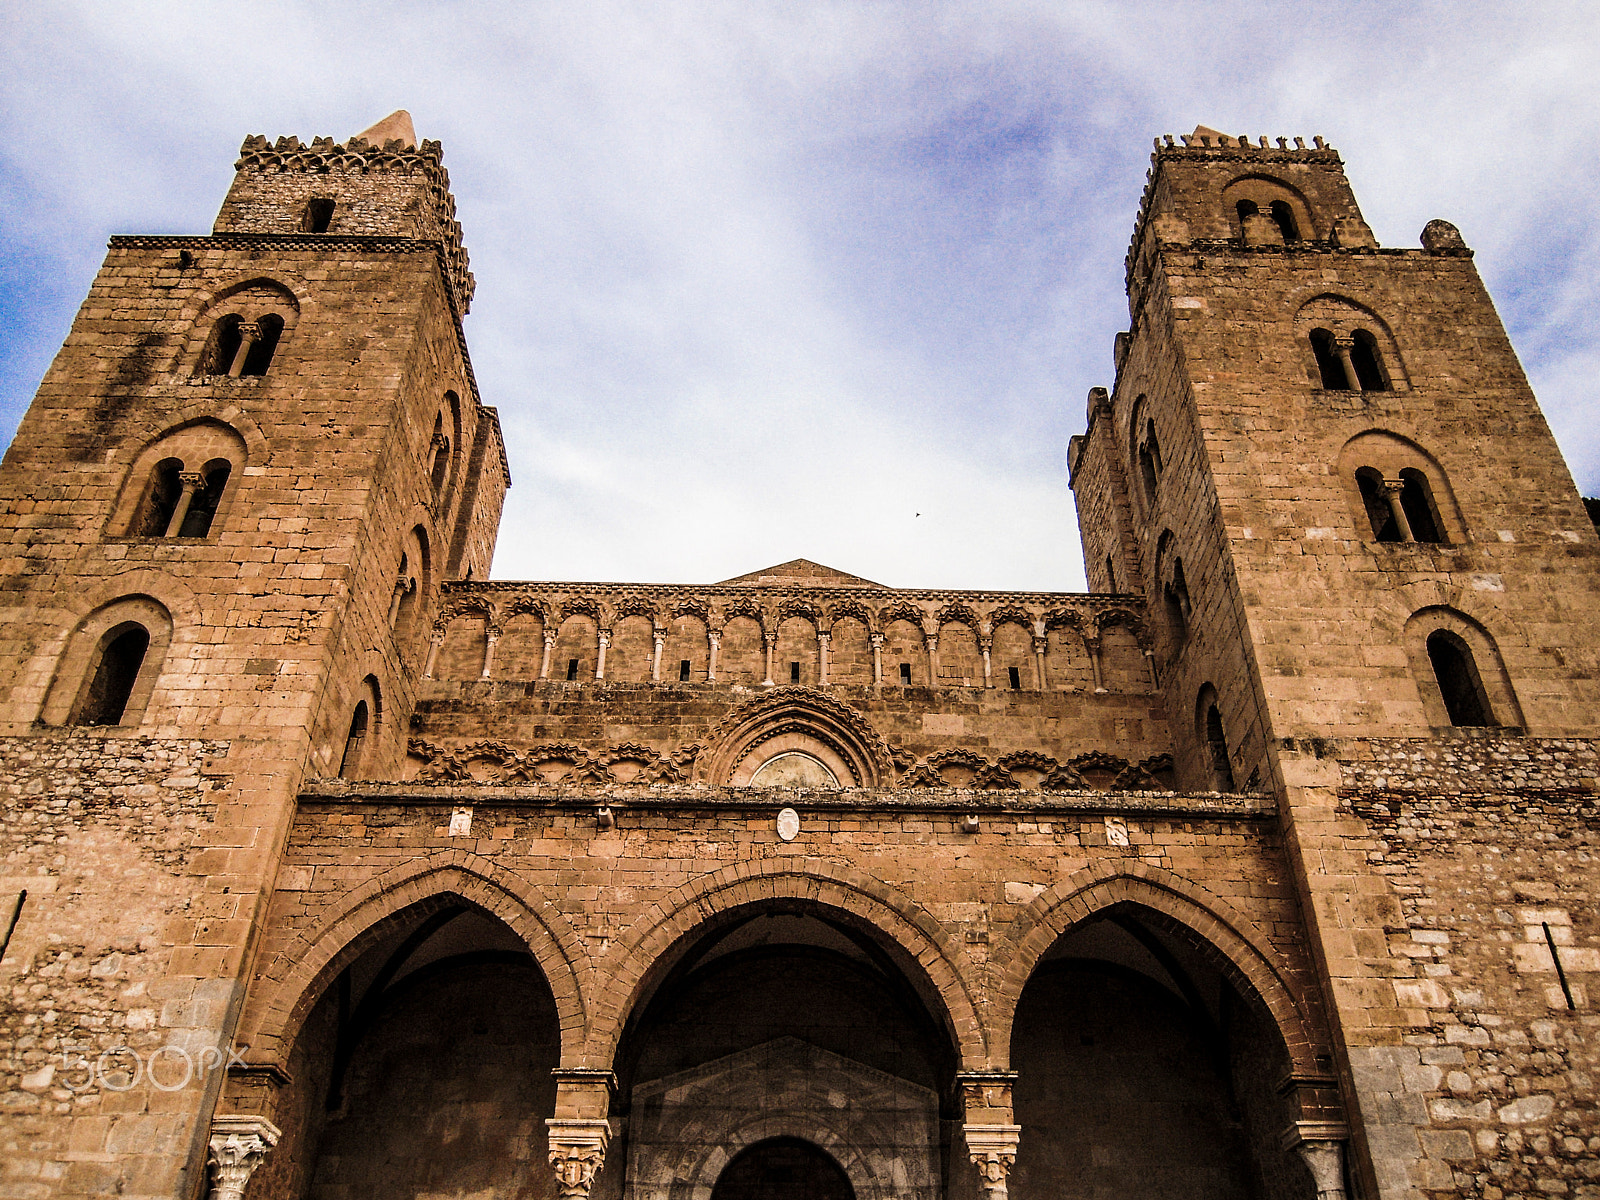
x,y
1349,362
1400,491
179,484
248,328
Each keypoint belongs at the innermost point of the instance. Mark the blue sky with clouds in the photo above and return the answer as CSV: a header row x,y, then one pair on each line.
x,y
762,280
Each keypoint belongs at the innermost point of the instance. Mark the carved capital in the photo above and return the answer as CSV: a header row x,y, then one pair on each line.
x,y
1040,645
605,638
577,1151
824,636
191,480
993,1150
239,1145
249,333
549,637
877,640
1326,1162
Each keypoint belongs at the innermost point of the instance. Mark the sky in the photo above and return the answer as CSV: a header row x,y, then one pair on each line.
x,y
760,281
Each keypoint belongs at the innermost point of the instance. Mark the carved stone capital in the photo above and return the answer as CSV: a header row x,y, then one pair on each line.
x,y
993,1150
577,1151
605,638
549,637
249,332
877,639
239,1145
192,480
1326,1162
824,636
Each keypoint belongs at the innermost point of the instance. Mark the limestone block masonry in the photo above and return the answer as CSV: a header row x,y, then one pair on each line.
x,y
331,868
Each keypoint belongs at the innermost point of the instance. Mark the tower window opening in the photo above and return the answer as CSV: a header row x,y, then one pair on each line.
x,y
794,672
905,674
224,346
1416,500
162,501
1015,676
683,669
572,670
203,505
1329,368
1175,599
441,456
354,743
114,676
1368,362
1111,575
1379,515
1459,682
1246,208
318,216
1283,217
259,357
1217,751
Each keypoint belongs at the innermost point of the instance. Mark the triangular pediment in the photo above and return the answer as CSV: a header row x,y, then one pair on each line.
x,y
800,572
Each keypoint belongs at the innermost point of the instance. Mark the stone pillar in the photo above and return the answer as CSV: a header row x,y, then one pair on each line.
x,y
1092,645
1040,644
1344,345
933,658
239,1144
549,645
770,637
402,585
714,637
824,652
435,640
190,482
992,1137
600,655
1391,494
1321,1146
1150,668
579,1132
655,663
985,644
249,335
491,635
877,658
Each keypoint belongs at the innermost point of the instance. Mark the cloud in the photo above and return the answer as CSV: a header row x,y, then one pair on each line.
x,y
758,280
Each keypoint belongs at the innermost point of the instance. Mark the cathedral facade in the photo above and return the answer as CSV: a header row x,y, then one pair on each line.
x,y
331,868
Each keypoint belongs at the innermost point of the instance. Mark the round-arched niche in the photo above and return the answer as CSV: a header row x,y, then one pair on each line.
x,y
794,768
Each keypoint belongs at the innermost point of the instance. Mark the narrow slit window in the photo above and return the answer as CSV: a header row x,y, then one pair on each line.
x,y
905,674
354,743
114,677
572,669
319,215
794,672
1014,676
1368,362
1111,575
1329,368
683,669
1459,683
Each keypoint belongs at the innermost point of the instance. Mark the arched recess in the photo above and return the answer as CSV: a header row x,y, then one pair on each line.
x,y
1487,674
795,719
216,346
300,971
1234,944
152,489
1374,352
902,930
1256,195
1378,455
107,672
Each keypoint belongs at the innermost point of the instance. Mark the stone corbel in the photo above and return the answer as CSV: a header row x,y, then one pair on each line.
x,y
993,1150
579,1132
239,1144
1321,1145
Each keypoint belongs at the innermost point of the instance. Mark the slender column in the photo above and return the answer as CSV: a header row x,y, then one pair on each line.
x,y
402,585
985,643
713,636
435,640
771,639
1391,493
1092,645
1344,345
190,482
933,658
992,1136
1039,646
579,1132
549,645
239,1144
824,652
491,635
1150,666
600,655
249,335
655,663
877,658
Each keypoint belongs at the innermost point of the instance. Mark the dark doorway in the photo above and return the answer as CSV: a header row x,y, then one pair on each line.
x,y
783,1169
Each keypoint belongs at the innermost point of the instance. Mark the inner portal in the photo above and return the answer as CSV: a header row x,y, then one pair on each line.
x,y
783,1168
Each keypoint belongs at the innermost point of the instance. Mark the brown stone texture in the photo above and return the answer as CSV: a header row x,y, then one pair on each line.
x,y
1264,870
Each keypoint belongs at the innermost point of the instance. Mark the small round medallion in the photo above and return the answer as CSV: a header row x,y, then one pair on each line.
x,y
788,824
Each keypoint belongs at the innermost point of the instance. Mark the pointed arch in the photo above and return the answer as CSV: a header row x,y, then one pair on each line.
x,y
301,970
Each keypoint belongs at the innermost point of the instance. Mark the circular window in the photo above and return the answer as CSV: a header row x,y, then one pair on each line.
x,y
793,769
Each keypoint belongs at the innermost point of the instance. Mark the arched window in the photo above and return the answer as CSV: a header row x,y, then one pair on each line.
x,y
1329,367
120,655
1111,575
1381,517
441,457
355,743
161,501
259,357
225,341
1246,208
1416,501
1283,217
1150,462
319,215
1217,751
1460,685
1366,358
251,321
1175,598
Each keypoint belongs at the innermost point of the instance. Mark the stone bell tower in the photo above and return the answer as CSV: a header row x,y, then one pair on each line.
x,y
227,515
1324,468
